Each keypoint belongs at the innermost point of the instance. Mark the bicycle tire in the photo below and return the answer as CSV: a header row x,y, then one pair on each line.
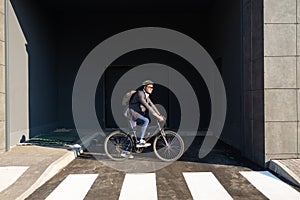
x,y
170,152
115,143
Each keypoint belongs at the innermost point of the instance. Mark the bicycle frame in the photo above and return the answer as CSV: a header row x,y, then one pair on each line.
x,y
158,130
163,146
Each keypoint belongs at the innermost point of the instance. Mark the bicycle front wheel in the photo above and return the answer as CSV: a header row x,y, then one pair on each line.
x,y
117,142
169,149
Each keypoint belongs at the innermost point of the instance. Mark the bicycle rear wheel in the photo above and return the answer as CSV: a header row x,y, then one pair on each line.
x,y
115,143
170,151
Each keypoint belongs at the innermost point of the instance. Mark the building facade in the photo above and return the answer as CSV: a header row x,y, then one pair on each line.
x,y
266,120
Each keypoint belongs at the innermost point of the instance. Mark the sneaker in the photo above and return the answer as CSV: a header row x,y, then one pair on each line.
x,y
126,154
142,143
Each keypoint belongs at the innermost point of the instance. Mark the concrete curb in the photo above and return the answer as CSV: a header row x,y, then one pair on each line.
x,y
279,168
51,171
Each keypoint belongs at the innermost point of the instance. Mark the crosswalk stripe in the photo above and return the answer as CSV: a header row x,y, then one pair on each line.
x,y
204,185
272,187
8,175
141,186
74,187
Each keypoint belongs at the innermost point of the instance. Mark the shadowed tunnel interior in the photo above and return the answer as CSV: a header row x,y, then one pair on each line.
x,y
60,34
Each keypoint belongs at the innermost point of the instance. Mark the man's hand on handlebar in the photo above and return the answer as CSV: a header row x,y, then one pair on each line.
x,y
161,118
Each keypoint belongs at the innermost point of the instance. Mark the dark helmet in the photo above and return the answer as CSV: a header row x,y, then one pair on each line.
x,y
148,82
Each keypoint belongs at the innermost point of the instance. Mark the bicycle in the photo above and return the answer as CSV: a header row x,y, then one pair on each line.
x,y
168,145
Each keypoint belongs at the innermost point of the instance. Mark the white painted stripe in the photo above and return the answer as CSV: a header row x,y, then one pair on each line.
x,y
204,185
272,187
139,186
74,187
9,175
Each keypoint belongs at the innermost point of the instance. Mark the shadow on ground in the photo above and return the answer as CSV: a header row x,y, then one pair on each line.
x,y
221,154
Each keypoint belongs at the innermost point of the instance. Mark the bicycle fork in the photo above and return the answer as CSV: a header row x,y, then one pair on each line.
x,y
163,134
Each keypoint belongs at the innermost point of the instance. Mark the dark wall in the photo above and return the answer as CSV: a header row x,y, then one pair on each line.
x,y
253,62
79,34
226,43
39,32
160,95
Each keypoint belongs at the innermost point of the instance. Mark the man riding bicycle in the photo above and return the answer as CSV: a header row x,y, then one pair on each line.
x,y
140,105
167,144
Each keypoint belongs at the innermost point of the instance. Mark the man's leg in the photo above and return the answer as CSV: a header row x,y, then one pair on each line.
x,y
145,122
125,153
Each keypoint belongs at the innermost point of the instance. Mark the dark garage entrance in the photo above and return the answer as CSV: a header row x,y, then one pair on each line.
x,y
60,34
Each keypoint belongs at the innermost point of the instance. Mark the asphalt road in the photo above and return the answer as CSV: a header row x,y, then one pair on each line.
x,y
224,163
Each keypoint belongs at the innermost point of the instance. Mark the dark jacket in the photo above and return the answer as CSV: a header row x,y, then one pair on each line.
x,y
139,104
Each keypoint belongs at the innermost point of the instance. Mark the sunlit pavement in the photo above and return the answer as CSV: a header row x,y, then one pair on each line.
x,y
222,173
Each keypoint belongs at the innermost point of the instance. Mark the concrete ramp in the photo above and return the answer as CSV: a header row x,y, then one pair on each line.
x,y
288,169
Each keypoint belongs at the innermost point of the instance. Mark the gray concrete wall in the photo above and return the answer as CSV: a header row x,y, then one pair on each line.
x,y
18,118
2,78
282,78
37,27
253,108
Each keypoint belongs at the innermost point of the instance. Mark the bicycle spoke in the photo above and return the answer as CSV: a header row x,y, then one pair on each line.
x,y
115,143
114,149
170,148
